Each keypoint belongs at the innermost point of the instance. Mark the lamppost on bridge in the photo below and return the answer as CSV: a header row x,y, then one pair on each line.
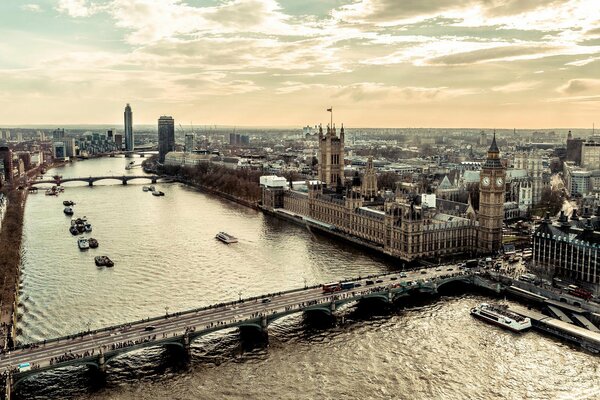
x,y
88,326
240,295
166,311
305,285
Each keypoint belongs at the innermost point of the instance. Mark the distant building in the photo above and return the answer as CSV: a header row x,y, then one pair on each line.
x,y
189,143
58,151
590,155
119,142
128,128
166,137
58,134
6,159
109,135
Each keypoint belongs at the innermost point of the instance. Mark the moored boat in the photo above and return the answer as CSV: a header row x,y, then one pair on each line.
x,y
73,230
145,188
87,227
93,243
151,188
68,203
103,261
501,316
226,238
68,210
157,193
83,244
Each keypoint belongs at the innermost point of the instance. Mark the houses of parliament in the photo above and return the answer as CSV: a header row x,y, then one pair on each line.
x,y
401,226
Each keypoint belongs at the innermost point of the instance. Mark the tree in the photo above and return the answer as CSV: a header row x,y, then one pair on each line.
x,y
551,200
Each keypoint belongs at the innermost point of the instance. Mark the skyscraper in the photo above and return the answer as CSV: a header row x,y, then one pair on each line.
x,y
189,143
166,136
128,128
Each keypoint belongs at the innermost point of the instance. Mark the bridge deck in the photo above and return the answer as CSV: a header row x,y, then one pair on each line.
x,y
85,347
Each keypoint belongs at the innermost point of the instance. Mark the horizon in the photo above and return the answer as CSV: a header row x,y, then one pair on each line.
x,y
268,63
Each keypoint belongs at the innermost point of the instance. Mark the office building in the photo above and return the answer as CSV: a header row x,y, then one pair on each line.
x,y
166,136
189,143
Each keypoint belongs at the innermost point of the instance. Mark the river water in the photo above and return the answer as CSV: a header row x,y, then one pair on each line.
x,y
166,258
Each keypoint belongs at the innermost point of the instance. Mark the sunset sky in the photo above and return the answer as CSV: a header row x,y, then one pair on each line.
x,y
379,63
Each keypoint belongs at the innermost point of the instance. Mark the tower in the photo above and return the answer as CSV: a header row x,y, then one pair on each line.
x,y
491,200
128,128
331,157
166,137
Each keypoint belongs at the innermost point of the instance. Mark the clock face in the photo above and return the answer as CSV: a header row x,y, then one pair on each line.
x,y
499,181
485,181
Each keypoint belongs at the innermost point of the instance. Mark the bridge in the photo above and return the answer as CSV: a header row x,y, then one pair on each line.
x,y
58,180
98,347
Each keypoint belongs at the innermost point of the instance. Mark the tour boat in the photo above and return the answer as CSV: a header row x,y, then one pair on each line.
x,y
68,211
226,238
501,316
93,243
83,244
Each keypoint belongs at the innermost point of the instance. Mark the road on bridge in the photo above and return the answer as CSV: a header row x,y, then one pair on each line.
x,y
54,352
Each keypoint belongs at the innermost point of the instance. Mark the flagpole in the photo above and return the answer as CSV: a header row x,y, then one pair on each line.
x,y
331,123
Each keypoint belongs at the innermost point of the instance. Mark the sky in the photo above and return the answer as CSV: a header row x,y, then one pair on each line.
x,y
378,63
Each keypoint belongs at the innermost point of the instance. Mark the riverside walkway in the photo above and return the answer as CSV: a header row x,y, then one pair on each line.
x,y
96,348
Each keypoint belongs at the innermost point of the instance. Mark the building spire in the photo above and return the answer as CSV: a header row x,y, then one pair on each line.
x,y
494,146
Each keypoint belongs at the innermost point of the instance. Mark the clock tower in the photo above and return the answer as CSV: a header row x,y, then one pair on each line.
x,y
492,188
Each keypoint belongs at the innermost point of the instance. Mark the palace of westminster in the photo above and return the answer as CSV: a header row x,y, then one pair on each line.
x,y
402,226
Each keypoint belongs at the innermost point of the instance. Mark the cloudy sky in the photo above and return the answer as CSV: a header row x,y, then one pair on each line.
x,y
379,63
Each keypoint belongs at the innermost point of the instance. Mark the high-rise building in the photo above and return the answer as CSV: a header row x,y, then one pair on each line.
x,y
119,142
331,157
109,135
128,128
166,136
58,134
492,189
6,159
189,143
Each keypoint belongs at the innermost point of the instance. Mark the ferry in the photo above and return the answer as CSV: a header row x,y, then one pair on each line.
x,y
501,316
83,244
226,238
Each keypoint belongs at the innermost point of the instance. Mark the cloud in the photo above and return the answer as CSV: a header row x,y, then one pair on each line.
x,y
580,86
31,8
516,87
506,53
77,8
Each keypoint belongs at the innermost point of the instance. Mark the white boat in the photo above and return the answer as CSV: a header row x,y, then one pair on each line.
x,y
83,244
226,238
88,227
145,188
501,316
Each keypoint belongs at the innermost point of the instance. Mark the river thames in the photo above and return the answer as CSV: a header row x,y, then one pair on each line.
x,y
167,259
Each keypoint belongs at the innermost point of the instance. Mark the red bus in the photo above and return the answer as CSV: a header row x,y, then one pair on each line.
x,y
581,293
331,287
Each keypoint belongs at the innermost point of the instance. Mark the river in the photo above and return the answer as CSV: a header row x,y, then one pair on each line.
x,y
167,259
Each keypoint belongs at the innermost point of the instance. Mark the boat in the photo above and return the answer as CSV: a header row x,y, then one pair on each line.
x,y
73,230
145,188
158,193
93,243
500,315
151,188
103,261
68,203
68,211
51,192
83,244
226,238
87,227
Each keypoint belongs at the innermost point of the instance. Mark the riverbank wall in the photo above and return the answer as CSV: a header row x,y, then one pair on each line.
x,y
11,234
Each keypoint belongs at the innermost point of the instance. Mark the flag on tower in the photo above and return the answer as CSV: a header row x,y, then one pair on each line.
x,y
330,109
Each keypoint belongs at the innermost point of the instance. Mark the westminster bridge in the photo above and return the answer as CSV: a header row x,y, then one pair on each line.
x,y
97,348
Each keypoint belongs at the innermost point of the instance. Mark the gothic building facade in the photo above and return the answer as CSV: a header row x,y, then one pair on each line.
x,y
400,226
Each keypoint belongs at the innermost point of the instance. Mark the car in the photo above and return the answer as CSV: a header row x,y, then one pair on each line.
x,y
403,275
379,281
450,269
393,278
438,269
266,300
150,328
369,283
423,271
357,285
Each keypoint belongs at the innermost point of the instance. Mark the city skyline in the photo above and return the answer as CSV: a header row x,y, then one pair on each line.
x,y
379,63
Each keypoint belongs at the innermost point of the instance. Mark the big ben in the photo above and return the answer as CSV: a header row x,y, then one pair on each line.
x,y
492,190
